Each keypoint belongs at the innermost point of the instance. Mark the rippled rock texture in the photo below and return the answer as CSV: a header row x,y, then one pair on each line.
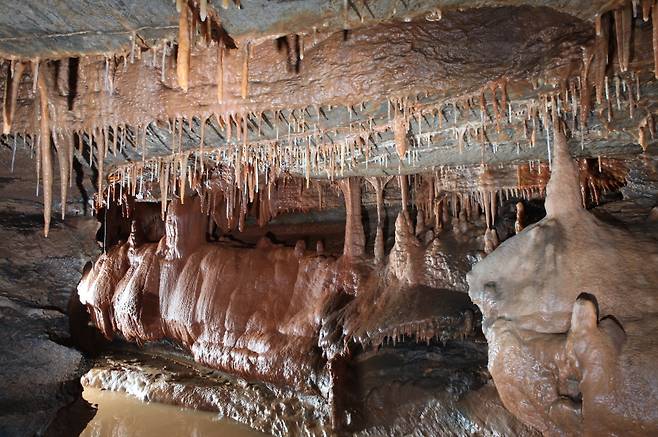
x,y
344,330
259,311
569,311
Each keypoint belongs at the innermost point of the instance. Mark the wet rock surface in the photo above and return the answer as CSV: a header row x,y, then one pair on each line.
x,y
410,389
160,374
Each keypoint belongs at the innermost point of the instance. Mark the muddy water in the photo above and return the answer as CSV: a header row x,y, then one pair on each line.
x,y
120,415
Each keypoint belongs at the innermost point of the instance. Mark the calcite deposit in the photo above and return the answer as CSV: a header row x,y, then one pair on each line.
x,y
280,204
271,323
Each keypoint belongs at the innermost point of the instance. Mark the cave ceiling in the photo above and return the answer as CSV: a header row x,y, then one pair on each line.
x,y
327,82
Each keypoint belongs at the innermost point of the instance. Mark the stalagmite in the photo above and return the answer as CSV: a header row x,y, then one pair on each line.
x,y
183,58
642,133
46,158
490,241
562,195
11,92
519,224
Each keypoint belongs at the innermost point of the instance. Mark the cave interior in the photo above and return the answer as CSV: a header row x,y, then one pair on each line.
x,y
331,217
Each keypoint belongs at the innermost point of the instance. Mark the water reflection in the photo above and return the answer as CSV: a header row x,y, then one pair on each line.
x,y
120,415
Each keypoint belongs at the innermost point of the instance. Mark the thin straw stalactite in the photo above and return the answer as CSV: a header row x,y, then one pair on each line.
x,y
46,158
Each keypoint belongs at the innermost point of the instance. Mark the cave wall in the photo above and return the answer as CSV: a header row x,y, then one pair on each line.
x,y
39,367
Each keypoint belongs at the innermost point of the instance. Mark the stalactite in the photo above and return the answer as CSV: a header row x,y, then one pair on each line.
x,y
400,128
631,101
497,113
646,9
623,30
201,143
220,71
492,197
484,194
203,9
164,188
182,162
378,184
35,74
46,158
11,93
355,241
654,24
244,89
100,160
585,94
183,58
600,60
404,193
63,161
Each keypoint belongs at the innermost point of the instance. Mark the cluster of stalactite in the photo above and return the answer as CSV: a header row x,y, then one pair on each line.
x,y
308,155
462,193
304,147
465,193
230,205
428,331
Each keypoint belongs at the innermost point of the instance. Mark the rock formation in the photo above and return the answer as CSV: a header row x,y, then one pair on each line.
x,y
266,325
568,308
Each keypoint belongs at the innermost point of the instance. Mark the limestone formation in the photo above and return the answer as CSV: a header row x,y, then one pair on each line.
x,y
568,309
288,197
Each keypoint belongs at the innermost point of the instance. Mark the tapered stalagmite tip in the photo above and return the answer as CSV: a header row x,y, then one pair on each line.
x,y
562,191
